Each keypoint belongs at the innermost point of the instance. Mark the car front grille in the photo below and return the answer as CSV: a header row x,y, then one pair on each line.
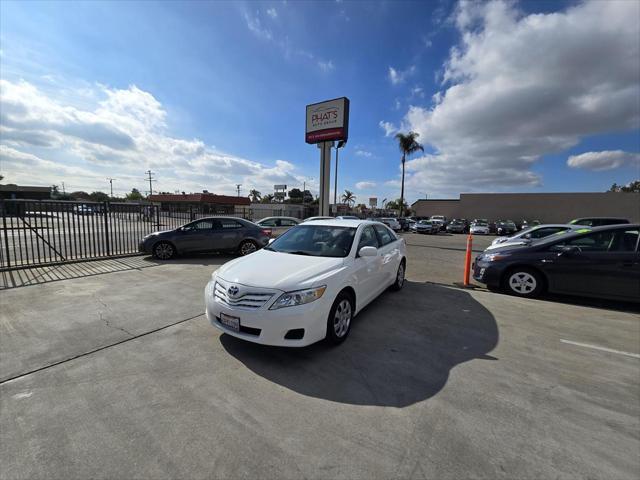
x,y
248,299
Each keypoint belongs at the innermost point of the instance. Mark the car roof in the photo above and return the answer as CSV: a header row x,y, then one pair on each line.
x,y
344,223
583,231
279,216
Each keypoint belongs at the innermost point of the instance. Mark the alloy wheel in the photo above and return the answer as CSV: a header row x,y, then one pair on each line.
x,y
164,251
342,318
522,283
247,247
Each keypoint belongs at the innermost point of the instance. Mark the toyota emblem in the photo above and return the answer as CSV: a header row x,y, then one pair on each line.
x,y
233,291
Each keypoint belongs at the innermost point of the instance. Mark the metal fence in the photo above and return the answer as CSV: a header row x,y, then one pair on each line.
x,y
37,233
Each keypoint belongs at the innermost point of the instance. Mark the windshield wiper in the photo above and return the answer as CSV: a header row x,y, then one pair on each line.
x,y
299,252
268,248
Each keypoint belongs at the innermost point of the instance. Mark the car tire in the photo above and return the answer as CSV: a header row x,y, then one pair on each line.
x,y
247,247
340,318
523,282
164,251
399,281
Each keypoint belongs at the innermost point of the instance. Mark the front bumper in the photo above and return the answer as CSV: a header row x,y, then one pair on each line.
x,y
269,327
486,272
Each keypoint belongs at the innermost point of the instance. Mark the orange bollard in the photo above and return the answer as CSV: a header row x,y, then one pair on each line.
x,y
467,261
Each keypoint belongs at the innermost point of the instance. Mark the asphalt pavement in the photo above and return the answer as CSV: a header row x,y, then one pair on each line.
x,y
110,370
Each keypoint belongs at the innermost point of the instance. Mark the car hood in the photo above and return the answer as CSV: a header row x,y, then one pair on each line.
x,y
282,271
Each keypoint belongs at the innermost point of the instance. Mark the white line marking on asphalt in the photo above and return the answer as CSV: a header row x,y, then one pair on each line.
x,y
604,349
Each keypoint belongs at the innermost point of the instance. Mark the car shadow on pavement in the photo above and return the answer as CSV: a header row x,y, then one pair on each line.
x,y
401,349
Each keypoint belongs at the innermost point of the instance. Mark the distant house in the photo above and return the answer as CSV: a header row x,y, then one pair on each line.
x,y
14,192
206,203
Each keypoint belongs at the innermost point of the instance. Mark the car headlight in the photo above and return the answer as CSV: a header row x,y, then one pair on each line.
x,y
298,297
493,257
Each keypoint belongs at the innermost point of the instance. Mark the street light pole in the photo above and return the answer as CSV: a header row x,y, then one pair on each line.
x,y
335,180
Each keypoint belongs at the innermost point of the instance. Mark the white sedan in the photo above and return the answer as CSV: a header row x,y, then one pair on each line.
x,y
308,284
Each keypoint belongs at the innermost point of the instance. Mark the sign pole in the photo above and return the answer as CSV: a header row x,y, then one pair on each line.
x,y
325,177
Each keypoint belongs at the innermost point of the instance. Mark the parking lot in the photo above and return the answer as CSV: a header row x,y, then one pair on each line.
x,y
109,369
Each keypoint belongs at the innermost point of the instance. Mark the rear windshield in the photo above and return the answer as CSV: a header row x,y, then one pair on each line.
x,y
315,240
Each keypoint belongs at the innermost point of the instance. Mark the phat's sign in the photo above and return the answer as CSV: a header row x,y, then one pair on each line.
x,y
327,121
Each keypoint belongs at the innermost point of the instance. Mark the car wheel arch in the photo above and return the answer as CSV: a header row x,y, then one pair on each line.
x,y
349,290
164,240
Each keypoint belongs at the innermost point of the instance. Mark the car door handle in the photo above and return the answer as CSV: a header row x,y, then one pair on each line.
x,y
628,264
546,260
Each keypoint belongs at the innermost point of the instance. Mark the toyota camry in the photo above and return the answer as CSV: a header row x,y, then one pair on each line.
x,y
308,284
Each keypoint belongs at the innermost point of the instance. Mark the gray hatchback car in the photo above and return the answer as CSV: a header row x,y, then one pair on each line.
x,y
211,234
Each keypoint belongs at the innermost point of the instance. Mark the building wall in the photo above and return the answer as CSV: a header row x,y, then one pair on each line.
x,y
263,210
546,207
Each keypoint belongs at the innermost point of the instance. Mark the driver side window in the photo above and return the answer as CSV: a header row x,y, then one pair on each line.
x,y
368,238
592,242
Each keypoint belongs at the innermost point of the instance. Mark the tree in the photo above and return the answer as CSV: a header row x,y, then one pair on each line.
x,y
80,195
348,197
295,195
99,197
134,196
633,186
55,191
307,197
268,198
395,204
255,195
1,177
408,145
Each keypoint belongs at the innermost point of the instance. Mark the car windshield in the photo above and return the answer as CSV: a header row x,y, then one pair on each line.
x,y
480,224
315,240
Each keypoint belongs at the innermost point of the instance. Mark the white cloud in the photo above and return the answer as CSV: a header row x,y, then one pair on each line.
x,y
326,66
388,127
605,160
272,12
397,76
365,185
363,153
522,86
254,24
44,140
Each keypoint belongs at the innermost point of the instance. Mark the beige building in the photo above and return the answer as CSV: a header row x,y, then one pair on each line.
x,y
546,207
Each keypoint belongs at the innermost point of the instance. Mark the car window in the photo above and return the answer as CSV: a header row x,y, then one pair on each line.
x,y
546,231
229,224
315,240
368,238
285,222
201,225
270,222
385,235
592,242
625,241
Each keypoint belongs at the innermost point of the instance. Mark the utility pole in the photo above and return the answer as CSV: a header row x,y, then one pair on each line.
x,y
151,179
238,185
335,180
63,191
111,185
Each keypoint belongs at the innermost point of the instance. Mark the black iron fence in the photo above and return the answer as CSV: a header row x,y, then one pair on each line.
x,y
36,233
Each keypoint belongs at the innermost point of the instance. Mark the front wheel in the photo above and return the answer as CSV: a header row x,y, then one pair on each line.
x,y
399,282
339,321
164,250
524,282
247,247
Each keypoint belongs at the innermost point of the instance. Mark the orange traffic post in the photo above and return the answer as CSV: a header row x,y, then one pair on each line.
x,y
467,261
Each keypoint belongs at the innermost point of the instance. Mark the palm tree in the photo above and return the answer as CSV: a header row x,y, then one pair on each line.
x,y
268,198
348,197
255,195
408,145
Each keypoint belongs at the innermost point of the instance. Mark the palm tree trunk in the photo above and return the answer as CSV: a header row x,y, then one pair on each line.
x,y
402,188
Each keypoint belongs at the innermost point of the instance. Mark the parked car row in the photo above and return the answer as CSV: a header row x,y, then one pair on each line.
x,y
571,259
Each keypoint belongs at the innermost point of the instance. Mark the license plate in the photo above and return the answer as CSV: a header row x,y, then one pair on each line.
x,y
232,323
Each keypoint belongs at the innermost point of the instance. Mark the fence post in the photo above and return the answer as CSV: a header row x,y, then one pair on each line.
x,y
191,213
5,231
157,209
107,214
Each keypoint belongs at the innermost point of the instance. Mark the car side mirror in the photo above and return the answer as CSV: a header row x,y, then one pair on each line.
x,y
368,252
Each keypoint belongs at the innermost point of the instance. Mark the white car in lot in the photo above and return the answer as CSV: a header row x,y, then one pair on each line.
x,y
479,228
308,284
392,223
278,225
533,233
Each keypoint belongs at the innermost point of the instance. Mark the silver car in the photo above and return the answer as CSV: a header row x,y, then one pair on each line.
x,y
278,225
533,233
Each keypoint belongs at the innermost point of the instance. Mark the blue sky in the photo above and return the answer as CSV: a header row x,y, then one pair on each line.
x,y
528,96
